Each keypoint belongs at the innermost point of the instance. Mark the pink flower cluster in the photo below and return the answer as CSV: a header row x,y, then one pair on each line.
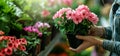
x,y
12,45
35,28
45,13
67,2
77,15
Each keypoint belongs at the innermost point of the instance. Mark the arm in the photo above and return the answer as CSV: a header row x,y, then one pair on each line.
x,y
114,46
103,32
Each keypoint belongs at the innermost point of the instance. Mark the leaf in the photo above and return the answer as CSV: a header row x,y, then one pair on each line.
x,y
24,17
17,26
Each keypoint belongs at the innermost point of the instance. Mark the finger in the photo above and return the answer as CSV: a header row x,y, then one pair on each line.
x,y
81,37
74,50
83,46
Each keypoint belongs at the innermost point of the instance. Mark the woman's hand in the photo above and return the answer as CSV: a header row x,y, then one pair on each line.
x,y
96,31
88,41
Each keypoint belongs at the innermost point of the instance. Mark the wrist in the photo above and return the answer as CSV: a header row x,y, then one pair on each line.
x,y
97,31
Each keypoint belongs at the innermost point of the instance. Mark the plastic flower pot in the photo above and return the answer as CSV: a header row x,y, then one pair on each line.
x,y
73,41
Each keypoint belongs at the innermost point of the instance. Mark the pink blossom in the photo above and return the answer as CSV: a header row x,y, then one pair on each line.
x,y
46,25
22,47
11,45
23,41
3,51
28,28
67,2
8,51
1,54
45,13
69,14
34,29
84,14
16,45
51,2
40,34
38,24
93,18
76,17
60,12
82,7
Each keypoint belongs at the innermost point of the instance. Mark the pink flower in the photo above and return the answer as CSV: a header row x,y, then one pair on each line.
x,y
22,47
12,39
8,51
45,13
60,12
82,7
28,28
23,41
93,18
11,45
69,14
76,17
34,29
46,25
16,45
3,51
84,14
38,24
51,2
67,2
1,54
40,34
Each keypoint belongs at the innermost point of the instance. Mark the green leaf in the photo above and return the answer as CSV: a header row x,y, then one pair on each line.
x,y
24,17
17,26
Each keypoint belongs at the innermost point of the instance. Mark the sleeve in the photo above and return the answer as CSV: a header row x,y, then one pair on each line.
x,y
112,46
108,33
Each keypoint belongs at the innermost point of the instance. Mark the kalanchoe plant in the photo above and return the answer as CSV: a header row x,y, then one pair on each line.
x,y
10,46
72,22
36,33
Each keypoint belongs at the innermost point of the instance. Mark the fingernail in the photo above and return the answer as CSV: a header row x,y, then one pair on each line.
x,y
76,35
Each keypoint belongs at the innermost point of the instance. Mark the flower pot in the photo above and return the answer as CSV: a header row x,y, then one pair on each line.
x,y
73,41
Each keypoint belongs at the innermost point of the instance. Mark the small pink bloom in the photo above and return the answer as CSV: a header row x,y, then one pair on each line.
x,y
45,13
82,7
12,39
23,41
38,24
84,14
40,34
22,47
60,12
76,17
67,2
8,51
1,54
11,45
46,25
69,14
34,29
28,28
93,18
3,51
16,45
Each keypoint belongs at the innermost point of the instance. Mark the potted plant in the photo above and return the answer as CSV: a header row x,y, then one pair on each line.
x,y
72,22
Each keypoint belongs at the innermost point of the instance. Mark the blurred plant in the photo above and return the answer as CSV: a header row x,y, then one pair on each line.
x,y
75,21
36,33
9,45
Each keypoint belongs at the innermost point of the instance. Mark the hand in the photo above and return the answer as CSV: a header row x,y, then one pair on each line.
x,y
88,41
96,31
